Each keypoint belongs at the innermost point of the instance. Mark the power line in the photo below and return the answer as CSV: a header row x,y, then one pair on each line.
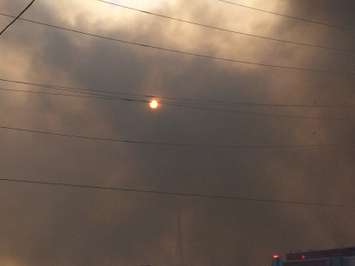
x,y
176,144
81,89
17,17
261,114
187,53
101,92
312,21
75,95
181,105
174,194
220,29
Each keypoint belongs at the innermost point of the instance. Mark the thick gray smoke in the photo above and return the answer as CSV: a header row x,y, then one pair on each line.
x,y
43,226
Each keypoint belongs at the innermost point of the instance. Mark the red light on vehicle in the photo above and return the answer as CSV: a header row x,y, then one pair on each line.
x,y
303,257
275,256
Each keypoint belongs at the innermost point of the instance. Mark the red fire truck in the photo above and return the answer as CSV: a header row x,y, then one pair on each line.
x,y
330,257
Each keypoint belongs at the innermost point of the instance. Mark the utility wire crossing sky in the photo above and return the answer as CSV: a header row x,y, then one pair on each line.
x,y
304,44
17,17
31,181
345,73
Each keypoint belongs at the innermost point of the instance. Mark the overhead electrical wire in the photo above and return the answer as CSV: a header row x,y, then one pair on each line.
x,y
98,94
263,114
201,146
182,105
75,95
147,97
32,181
16,18
220,29
80,89
312,21
184,52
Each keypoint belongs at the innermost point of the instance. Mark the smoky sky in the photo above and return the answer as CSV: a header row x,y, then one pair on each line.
x,y
56,226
